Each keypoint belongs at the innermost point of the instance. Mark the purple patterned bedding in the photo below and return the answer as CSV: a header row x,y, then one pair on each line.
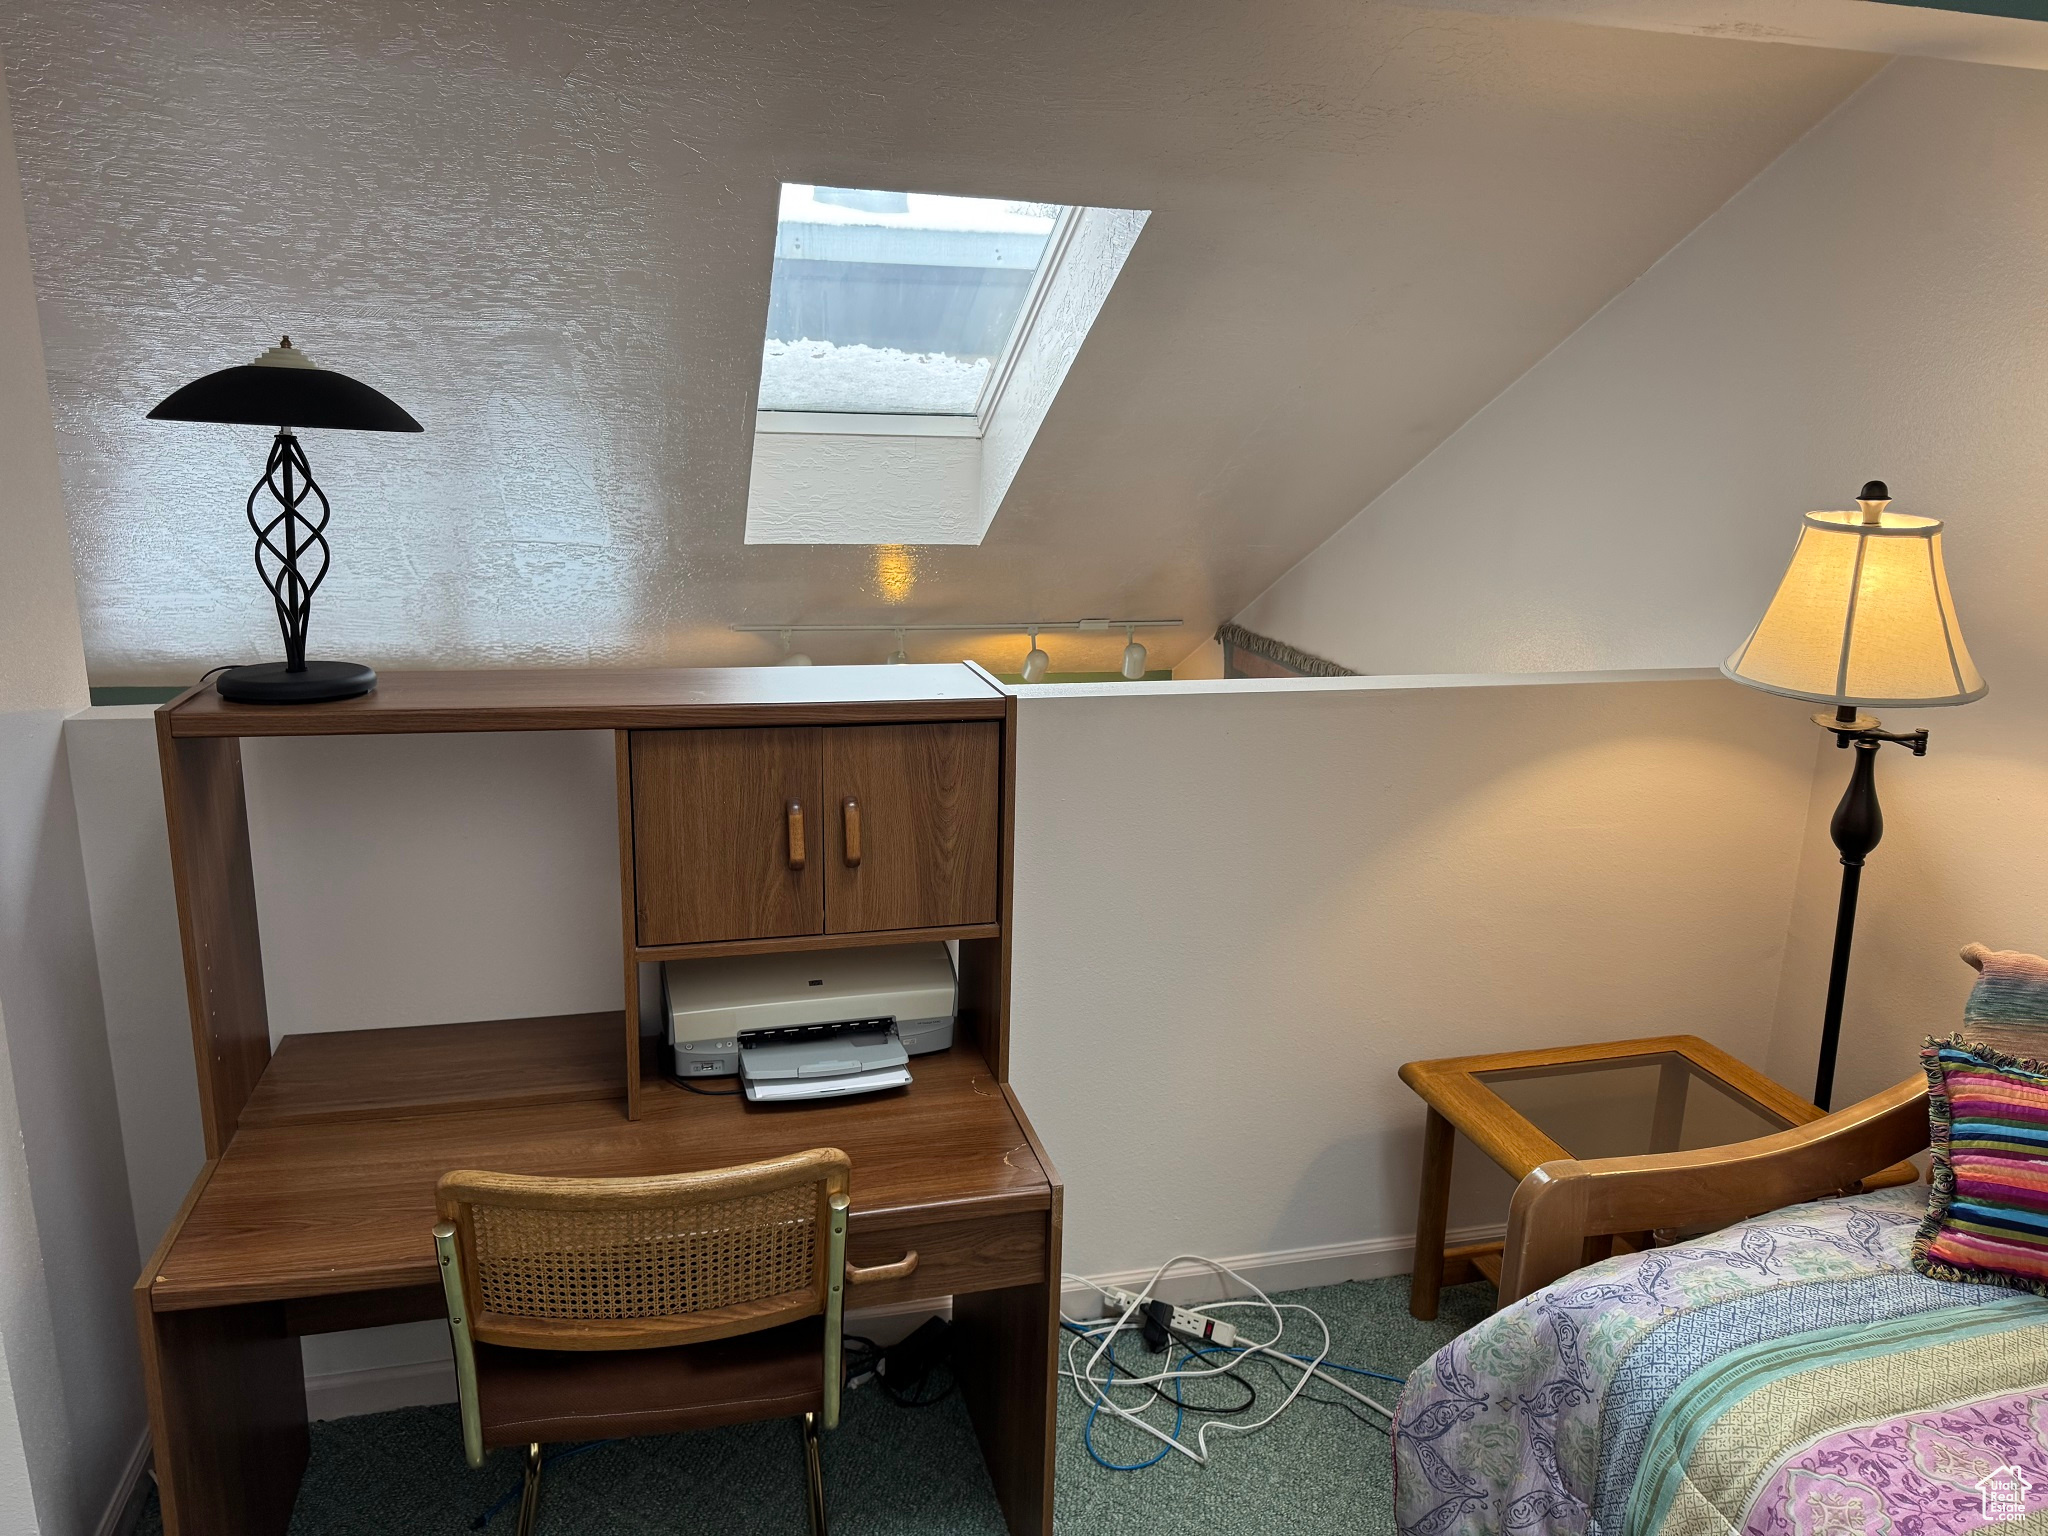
x,y
1762,1379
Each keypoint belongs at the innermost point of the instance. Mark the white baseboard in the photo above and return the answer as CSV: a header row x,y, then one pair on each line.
x,y
124,1506
1287,1269
344,1394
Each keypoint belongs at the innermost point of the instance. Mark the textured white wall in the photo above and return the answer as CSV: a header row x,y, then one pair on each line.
x,y
1874,305
547,231
71,1410
844,488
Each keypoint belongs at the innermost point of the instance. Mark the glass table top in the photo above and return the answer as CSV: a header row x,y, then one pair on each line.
x,y
1622,1107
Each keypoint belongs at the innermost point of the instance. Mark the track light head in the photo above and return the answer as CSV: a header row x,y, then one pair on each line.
x,y
899,657
1134,658
1036,662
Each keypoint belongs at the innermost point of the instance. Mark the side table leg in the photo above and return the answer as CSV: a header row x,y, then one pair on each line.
x,y
1432,1216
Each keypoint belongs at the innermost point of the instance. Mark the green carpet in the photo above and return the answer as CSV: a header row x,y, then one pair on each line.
x,y
893,1471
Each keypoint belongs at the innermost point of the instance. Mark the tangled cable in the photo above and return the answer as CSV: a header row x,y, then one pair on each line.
x,y
1104,1373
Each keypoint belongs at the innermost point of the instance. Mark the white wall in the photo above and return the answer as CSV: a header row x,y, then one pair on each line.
x,y
1241,905
70,1389
1294,886
1874,305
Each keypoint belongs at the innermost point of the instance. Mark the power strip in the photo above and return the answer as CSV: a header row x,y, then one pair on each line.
x,y
1192,1324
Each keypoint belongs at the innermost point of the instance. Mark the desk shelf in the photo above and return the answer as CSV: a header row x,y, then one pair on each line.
x,y
653,954
371,1074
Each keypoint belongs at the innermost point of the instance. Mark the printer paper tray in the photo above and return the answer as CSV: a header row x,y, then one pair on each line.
x,y
782,1090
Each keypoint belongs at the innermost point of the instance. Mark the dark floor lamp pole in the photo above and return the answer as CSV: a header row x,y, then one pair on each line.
x,y
1862,616
1857,827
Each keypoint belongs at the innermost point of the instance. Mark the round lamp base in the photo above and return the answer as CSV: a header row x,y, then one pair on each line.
x,y
320,683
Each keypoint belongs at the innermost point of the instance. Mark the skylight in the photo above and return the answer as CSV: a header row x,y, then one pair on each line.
x,y
897,303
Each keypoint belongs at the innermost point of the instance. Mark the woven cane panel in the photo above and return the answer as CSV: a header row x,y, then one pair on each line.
x,y
667,1262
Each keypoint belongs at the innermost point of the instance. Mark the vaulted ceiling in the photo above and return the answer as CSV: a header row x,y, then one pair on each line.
x,y
546,229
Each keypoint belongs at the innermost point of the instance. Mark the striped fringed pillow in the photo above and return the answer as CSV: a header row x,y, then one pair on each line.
x,y
1987,1216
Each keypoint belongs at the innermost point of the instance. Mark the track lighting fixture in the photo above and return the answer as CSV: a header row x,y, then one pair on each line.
x,y
1035,662
792,658
899,656
1134,655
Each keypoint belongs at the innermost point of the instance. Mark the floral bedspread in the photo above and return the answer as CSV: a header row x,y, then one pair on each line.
x,y
1689,1389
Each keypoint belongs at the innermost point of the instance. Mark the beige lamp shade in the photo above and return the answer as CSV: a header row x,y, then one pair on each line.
x,y
1862,616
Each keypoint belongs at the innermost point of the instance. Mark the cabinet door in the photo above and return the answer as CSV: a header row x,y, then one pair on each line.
x,y
913,825
727,835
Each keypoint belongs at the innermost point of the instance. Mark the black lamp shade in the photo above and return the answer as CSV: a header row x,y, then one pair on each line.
x,y
261,395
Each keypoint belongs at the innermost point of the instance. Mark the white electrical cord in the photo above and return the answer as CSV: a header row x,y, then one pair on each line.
x,y
1093,1387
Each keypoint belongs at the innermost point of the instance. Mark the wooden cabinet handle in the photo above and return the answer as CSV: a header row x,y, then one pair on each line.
x,y
849,810
796,834
902,1269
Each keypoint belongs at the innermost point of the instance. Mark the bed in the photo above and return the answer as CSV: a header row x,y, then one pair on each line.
x,y
1788,1375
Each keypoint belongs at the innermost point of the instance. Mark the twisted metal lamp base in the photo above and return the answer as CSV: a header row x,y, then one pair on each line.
x,y
289,538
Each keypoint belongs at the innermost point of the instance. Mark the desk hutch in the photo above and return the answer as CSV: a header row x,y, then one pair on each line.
x,y
760,810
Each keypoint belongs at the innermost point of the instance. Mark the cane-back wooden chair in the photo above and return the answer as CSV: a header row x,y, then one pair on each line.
x,y
591,1309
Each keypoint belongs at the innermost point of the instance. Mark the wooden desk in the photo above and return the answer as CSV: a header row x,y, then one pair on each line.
x,y
315,1210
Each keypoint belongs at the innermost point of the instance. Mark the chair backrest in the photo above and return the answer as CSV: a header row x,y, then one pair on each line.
x,y
634,1263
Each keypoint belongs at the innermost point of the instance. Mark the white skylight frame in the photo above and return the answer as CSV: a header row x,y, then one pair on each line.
x,y
866,480
935,424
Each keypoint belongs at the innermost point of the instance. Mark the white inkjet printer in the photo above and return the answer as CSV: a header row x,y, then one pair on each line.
x,y
812,1025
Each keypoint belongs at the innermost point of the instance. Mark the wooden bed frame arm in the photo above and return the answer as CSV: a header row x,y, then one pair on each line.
x,y
1560,1205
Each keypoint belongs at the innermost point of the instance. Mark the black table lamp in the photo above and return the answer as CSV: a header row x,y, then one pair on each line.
x,y
285,389
1862,616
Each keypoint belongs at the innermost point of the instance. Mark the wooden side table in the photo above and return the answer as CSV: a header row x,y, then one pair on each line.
x,y
1527,1108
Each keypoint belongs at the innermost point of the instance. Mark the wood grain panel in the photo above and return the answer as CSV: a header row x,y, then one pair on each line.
x,y
603,699
487,1064
366,1309
984,1008
208,821
953,1257
333,1206
629,923
1008,1354
811,942
930,803
227,1406
711,840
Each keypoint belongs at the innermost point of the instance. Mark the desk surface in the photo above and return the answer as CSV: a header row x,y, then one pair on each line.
x,y
617,699
300,1209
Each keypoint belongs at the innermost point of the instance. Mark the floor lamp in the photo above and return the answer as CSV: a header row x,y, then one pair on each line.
x,y
1863,616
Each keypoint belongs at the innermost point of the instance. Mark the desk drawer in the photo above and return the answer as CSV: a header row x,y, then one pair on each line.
x,y
978,1253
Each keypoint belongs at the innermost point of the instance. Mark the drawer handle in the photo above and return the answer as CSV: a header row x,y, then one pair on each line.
x,y
796,834
849,810
902,1269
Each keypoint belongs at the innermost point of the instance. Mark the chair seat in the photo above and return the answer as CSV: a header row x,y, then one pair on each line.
x,y
550,1395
